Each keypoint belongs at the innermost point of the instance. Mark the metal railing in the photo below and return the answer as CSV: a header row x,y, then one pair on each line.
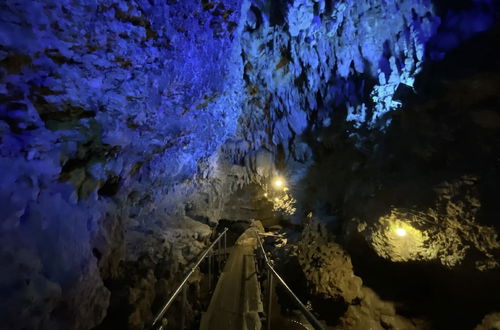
x,y
271,273
157,324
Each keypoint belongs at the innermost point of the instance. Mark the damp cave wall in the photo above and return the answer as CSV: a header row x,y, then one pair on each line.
x,y
121,121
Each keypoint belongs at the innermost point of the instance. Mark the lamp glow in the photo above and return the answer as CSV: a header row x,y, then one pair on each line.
x,y
400,232
278,183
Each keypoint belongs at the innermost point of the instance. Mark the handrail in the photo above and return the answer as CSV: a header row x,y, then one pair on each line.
x,y
309,316
169,302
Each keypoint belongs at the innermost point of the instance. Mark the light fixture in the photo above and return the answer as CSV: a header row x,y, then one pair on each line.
x,y
278,183
401,232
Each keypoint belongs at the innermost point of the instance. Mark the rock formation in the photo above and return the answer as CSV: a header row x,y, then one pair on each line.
x,y
128,129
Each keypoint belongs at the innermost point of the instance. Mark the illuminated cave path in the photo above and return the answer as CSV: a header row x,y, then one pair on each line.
x,y
236,302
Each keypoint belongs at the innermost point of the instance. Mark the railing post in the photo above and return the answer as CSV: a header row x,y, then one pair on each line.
x,y
225,243
210,271
271,274
219,253
159,321
183,311
269,297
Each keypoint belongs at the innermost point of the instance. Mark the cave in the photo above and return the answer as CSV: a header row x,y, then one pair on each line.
x,y
249,164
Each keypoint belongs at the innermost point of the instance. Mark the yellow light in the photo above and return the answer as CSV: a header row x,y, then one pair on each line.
x,y
278,183
265,194
276,199
401,232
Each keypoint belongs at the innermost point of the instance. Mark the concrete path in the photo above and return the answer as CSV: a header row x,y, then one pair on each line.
x,y
236,302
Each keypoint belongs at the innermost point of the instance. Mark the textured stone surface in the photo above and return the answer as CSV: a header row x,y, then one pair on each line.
x,y
327,266
490,322
323,58
330,275
108,109
445,232
432,171
126,125
374,313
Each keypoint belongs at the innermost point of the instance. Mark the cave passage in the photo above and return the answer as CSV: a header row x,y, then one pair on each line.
x,y
359,138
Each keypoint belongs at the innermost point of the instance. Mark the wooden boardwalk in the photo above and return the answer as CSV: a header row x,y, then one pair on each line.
x,y
236,302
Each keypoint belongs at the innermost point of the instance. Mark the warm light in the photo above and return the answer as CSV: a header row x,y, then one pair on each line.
x,y
278,183
401,232
276,199
265,194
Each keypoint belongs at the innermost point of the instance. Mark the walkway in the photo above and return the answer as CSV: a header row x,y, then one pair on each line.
x,y
236,302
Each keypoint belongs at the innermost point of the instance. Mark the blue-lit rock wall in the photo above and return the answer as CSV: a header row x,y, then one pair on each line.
x,y
345,66
330,55
311,63
112,114
105,106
